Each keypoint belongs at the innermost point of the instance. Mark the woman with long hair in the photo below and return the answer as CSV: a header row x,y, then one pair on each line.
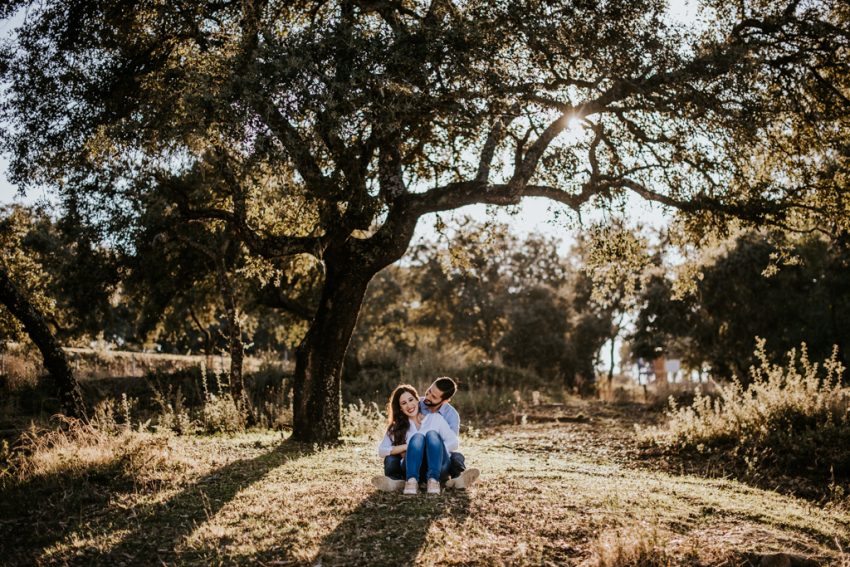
x,y
425,441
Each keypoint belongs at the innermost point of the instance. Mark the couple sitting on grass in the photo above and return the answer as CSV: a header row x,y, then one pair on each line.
x,y
422,440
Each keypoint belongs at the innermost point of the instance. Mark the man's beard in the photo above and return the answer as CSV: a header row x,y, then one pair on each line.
x,y
428,403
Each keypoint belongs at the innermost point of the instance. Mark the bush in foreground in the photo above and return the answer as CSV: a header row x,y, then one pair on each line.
x,y
792,420
103,449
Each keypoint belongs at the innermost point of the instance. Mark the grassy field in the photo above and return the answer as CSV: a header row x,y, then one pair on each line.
x,y
573,493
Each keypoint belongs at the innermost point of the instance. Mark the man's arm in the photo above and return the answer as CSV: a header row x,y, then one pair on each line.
x,y
450,438
452,418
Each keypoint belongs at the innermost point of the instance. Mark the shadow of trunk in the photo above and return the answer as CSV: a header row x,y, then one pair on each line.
x,y
389,529
151,534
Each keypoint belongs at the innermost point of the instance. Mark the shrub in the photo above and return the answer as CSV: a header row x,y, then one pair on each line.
x,y
173,415
794,419
100,449
189,381
479,403
381,370
362,419
426,363
269,392
18,372
221,414
487,390
487,374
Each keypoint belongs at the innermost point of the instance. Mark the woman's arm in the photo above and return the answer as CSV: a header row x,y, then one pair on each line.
x,y
398,449
386,448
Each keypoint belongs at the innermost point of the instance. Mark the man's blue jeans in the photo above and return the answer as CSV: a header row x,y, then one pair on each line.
x,y
425,458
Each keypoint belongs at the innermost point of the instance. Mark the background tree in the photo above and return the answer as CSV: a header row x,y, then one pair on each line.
x,y
663,324
475,285
465,285
539,321
389,318
613,259
361,117
481,277
194,285
787,291
27,307
70,278
592,325
16,223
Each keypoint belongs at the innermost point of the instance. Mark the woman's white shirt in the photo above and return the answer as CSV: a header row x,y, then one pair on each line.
x,y
431,422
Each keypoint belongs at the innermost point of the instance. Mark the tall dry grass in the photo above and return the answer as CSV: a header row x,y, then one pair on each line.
x,y
104,447
635,546
363,419
792,419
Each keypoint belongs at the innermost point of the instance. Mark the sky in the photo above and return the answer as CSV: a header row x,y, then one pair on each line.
x,y
531,215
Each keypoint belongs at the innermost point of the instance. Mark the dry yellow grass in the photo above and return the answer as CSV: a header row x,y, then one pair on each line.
x,y
562,494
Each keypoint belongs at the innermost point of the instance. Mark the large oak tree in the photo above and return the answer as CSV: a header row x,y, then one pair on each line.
x,y
329,128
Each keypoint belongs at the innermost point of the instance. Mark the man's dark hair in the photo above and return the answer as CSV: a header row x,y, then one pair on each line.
x,y
447,386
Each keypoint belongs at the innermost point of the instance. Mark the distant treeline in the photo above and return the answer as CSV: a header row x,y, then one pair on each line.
x,y
479,294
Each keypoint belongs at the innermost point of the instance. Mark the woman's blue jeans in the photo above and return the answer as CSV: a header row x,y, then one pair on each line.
x,y
426,453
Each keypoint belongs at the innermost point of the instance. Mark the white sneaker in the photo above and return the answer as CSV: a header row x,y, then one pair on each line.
x,y
433,486
466,479
387,484
411,486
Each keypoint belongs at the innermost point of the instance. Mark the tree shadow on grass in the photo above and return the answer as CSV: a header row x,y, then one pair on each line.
x,y
390,529
154,537
39,512
151,534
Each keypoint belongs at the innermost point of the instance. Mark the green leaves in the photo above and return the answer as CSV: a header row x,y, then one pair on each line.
x,y
315,89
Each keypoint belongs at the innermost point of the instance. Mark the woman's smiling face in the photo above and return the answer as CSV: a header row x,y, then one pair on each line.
x,y
409,404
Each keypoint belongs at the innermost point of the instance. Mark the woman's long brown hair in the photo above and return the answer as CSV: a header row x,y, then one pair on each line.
x,y
397,421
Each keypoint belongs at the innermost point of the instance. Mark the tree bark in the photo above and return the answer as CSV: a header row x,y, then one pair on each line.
x,y
320,356
55,361
208,341
349,267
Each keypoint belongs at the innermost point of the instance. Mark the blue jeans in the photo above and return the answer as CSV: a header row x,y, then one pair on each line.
x,y
426,453
457,464
394,467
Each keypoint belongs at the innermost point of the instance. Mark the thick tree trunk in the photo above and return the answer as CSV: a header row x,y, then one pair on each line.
x,y
55,361
349,267
319,358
